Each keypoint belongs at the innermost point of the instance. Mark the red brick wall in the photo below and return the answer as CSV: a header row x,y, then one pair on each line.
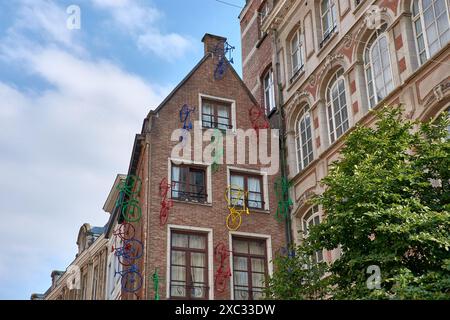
x,y
155,156
262,56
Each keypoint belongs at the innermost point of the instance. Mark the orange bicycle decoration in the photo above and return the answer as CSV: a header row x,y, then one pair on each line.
x,y
236,200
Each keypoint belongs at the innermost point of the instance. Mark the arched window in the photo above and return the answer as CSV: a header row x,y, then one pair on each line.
x,y
431,26
377,67
337,114
312,218
303,139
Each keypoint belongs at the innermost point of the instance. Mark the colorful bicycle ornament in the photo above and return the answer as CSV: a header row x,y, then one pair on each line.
x,y
236,198
223,62
131,279
185,118
166,202
221,254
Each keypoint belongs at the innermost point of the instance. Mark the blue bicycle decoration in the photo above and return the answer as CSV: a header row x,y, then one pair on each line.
x,y
131,279
131,250
223,62
185,118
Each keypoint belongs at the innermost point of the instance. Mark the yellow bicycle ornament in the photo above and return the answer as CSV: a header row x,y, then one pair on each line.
x,y
236,201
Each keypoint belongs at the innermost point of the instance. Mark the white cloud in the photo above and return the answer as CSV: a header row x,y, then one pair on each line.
x,y
47,20
141,22
171,46
60,148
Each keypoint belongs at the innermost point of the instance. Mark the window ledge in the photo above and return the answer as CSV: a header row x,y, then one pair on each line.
x,y
294,79
258,211
206,204
327,42
261,40
358,6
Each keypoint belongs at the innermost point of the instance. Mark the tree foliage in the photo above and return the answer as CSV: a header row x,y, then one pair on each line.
x,y
386,204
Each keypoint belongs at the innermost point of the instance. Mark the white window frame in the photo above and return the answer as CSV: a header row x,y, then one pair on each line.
x,y
306,222
299,143
265,183
373,43
258,236
330,12
335,79
209,233
297,51
178,161
202,96
269,105
420,17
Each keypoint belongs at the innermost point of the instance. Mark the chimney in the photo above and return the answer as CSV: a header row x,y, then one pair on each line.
x,y
213,43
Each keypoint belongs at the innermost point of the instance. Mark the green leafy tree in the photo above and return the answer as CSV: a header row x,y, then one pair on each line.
x,y
387,208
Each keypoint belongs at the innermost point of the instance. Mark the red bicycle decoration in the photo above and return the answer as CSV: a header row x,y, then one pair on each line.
x,y
258,119
221,254
166,203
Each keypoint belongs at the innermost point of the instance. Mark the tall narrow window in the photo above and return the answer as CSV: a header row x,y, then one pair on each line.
x,y
263,12
336,106
269,91
188,183
252,184
249,268
377,67
297,59
188,265
216,114
312,218
328,18
303,139
431,26
95,283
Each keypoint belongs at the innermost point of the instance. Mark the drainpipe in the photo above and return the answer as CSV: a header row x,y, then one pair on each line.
x,y
282,128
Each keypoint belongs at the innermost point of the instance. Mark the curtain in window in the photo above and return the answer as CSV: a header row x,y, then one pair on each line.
x,y
175,180
237,181
240,278
254,193
223,117
207,115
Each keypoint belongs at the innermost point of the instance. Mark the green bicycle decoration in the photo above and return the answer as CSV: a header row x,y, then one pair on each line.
x,y
129,188
155,278
281,187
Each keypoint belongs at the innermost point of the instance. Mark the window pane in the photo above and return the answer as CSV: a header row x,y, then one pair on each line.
x,y
258,279
257,265
197,242
198,259
240,246
198,275
223,117
178,257
254,193
257,247
237,190
178,273
179,240
240,263
177,289
240,278
241,293
207,115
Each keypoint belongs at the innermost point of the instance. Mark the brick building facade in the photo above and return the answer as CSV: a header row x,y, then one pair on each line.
x,y
182,249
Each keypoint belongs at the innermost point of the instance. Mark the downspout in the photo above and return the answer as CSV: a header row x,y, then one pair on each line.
x,y
281,126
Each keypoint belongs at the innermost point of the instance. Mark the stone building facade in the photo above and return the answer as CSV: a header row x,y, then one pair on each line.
x,y
335,61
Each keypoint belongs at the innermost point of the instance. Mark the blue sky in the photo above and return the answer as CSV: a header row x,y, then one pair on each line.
x,y
70,104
